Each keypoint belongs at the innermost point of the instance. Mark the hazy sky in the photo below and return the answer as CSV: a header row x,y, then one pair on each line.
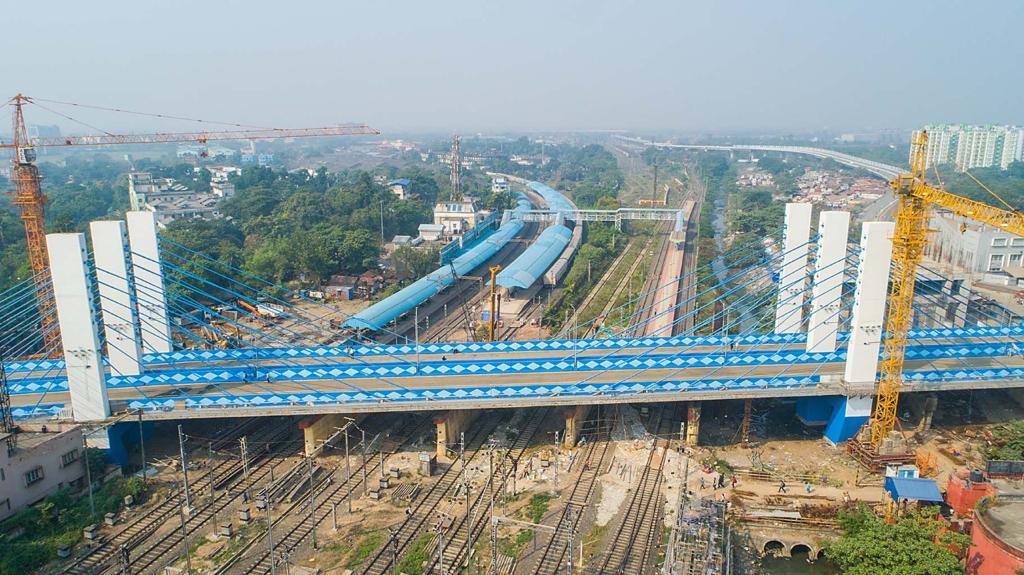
x,y
525,65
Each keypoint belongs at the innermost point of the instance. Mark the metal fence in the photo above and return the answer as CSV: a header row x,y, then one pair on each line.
x,y
1005,468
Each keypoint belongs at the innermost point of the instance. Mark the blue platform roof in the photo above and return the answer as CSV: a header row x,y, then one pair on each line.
x,y
913,489
399,182
383,312
555,200
537,258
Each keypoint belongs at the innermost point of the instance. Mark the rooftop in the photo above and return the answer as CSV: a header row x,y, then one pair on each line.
x,y
1006,519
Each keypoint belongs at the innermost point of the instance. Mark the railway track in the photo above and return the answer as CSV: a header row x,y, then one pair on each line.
x,y
291,530
556,550
459,549
647,302
383,561
155,553
631,548
103,555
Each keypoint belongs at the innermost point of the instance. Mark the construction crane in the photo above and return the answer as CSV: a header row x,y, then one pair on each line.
x,y
30,199
914,196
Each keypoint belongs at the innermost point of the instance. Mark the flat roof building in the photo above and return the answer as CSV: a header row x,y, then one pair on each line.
x,y
43,461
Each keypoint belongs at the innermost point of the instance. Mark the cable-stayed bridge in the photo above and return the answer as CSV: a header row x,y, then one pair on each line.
x,y
799,315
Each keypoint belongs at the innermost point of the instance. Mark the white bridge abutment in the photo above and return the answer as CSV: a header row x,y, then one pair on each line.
x,y
76,316
789,315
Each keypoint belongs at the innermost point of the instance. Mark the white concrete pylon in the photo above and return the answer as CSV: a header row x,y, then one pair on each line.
x,y
150,294
789,314
76,314
117,296
866,326
827,286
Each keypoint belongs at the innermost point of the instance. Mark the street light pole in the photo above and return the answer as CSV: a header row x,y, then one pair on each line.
x,y
184,467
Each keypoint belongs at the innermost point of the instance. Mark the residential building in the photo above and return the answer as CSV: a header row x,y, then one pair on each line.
x,y
258,159
171,201
44,460
457,216
222,188
402,188
970,246
499,184
969,147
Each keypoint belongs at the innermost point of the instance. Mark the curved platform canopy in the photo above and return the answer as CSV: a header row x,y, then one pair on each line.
x,y
531,265
390,308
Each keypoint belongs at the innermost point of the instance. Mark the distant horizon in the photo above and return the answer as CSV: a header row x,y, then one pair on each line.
x,y
663,66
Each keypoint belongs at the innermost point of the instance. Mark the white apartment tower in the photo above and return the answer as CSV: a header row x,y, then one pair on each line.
x,y
968,147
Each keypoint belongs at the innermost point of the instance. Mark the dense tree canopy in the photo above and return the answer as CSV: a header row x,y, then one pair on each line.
x,y
915,545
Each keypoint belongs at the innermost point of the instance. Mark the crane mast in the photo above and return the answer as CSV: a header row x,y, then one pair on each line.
x,y
914,196
29,199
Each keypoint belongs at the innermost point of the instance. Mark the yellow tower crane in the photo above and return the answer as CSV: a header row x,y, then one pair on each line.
x,y
914,195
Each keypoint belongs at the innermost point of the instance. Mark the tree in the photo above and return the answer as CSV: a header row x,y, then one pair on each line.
x,y
919,544
414,262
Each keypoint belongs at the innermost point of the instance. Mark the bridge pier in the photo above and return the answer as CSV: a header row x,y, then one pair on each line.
x,y
150,293
574,417
76,316
692,423
789,316
317,428
120,316
450,426
827,287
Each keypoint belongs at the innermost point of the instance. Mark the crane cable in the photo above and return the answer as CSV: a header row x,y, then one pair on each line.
x,y
164,116
67,117
987,189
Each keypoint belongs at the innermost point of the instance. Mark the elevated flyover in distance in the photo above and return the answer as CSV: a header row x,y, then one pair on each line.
x,y
810,339
880,169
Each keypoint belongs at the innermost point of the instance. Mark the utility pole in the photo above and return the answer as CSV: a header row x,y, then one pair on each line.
x,y
142,447
245,467
465,484
184,467
572,530
348,472
88,477
393,543
270,534
181,519
494,520
312,500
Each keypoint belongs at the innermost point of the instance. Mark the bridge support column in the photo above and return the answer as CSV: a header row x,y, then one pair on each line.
x,y
150,294
793,277
449,427
72,295
928,412
692,423
869,303
829,273
847,418
574,417
317,428
842,416
117,299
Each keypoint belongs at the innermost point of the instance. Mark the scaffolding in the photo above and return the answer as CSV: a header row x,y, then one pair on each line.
x,y
700,543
